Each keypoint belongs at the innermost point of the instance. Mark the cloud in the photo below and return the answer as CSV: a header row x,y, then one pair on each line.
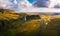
x,y
15,4
40,10
53,3
41,3
47,3
25,6
5,3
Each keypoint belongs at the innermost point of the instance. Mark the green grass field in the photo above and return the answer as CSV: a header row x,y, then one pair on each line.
x,y
13,24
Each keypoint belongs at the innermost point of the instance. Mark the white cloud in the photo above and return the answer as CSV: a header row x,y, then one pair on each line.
x,y
24,6
53,3
46,3
5,3
26,10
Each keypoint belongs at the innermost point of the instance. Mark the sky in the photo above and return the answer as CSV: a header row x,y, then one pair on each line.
x,y
18,5
31,1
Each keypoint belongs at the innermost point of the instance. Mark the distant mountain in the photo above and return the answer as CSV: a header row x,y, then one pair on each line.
x,y
51,13
56,14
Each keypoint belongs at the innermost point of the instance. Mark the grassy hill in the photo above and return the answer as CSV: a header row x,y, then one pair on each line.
x,y
13,24
7,14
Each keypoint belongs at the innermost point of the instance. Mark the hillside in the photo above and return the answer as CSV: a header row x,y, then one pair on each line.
x,y
8,14
27,24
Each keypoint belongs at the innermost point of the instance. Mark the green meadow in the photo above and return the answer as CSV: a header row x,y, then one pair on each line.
x,y
15,24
